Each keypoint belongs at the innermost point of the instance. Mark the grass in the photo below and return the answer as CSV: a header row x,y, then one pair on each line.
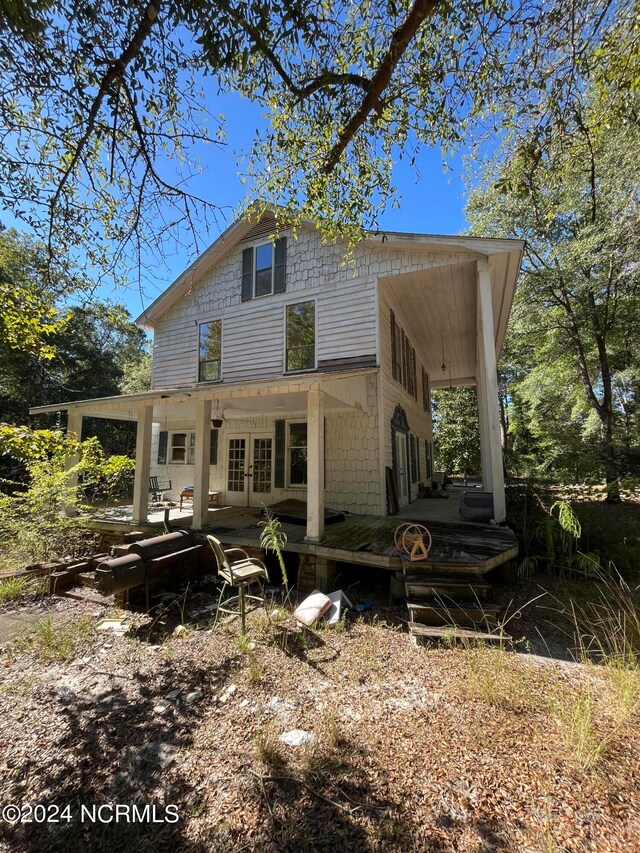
x,y
12,589
57,641
498,677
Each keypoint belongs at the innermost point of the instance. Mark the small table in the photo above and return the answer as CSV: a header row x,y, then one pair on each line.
x,y
187,495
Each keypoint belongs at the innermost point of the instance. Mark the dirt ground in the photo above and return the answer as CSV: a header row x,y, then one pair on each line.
x,y
399,748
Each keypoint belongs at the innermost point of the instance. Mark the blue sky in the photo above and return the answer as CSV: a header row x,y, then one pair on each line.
x,y
431,201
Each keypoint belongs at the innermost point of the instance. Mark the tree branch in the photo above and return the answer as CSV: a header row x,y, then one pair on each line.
x,y
400,40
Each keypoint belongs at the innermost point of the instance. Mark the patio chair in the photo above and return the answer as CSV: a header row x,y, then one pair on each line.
x,y
156,489
240,571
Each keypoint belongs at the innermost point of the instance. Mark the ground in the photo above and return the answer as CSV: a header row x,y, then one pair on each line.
x,y
444,748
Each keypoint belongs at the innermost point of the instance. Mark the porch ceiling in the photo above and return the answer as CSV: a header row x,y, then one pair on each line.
x,y
439,308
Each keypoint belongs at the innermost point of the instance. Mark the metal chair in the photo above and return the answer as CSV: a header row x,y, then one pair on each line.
x,y
156,489
240,572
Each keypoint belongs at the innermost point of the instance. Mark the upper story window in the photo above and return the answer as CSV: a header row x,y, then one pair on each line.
x,y
264,269
210,351
301,336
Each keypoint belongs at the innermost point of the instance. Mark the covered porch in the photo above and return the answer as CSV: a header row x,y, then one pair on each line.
x,y
456,312
314,398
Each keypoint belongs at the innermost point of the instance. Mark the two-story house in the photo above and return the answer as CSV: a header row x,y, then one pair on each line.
x,y
283,369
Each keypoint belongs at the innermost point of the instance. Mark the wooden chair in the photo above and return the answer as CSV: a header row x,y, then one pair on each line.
x,y
241,572
156,488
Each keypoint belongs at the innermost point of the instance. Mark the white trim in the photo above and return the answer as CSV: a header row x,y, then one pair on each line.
x,y
188,431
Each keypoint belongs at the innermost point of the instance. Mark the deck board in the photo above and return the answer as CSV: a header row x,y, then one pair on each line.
x,y
368,540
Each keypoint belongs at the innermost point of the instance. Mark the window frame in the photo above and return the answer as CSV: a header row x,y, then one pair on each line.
x,y
291,304
288,425
206,322
188,447
257,246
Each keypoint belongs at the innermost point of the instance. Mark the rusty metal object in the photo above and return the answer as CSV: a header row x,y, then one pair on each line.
x,y
160,546
120,574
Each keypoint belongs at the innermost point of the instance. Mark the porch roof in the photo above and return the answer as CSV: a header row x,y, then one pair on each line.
x,y
281,397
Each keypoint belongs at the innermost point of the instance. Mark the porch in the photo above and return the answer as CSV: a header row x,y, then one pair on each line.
x,y
459,548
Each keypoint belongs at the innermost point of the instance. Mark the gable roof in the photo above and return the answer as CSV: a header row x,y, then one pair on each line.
x,y
248,227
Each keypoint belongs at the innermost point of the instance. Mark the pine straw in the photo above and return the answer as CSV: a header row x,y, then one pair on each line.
x,y
413,751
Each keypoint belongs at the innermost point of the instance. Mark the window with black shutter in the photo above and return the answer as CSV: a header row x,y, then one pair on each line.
x,y
264,269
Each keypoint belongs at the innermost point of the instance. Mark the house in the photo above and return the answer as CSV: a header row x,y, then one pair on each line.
x,y
282,369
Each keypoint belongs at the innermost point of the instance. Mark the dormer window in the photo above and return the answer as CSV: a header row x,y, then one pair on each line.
x,y
264,269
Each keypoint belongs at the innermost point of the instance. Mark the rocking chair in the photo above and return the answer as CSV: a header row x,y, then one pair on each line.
x,y
241,572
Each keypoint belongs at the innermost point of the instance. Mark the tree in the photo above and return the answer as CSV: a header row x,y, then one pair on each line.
x,y
456,431
573,193
96,100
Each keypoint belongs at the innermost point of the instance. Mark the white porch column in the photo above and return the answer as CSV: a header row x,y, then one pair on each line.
x,y
74,425
201,465
143,464
315,464
485,449
488,400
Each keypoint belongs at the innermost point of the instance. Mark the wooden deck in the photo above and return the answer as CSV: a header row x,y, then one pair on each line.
x,y
458,548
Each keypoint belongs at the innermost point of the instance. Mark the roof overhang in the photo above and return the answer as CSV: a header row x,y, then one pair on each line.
x,y
281,397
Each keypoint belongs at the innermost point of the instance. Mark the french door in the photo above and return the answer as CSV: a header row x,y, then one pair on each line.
x,y
249,469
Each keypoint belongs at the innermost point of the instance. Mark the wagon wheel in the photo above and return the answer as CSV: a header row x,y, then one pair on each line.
x,y
397,535
416,542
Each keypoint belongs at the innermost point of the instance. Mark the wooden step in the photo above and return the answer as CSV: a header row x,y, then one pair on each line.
x,y
466,589
463,635
83,593
441,612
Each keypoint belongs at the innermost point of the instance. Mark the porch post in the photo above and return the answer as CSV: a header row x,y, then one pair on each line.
x,y
74,425
485,450
143,464
489,373
315,464
201,465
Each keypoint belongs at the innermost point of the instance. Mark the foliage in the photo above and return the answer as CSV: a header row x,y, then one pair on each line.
x,y
29,312
456,431
57,641
571,364
11,589
33,525
103,98
273,539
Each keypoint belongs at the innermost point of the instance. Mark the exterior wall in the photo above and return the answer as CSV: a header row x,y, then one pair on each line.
x,y
253,332
352,480
393,393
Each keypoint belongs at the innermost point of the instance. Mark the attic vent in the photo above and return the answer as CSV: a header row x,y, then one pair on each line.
x,y
263,228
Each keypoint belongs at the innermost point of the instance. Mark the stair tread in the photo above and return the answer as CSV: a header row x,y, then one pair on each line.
x,y
442,581
418,629
445,604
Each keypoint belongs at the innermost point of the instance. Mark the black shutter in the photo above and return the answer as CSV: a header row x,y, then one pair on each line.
x,y
162,447
213,447
247,274
279,456
394,371
280,266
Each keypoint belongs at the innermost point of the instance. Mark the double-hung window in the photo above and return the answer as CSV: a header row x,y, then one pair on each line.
x,y
210,351
182,448
264,269
301,336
